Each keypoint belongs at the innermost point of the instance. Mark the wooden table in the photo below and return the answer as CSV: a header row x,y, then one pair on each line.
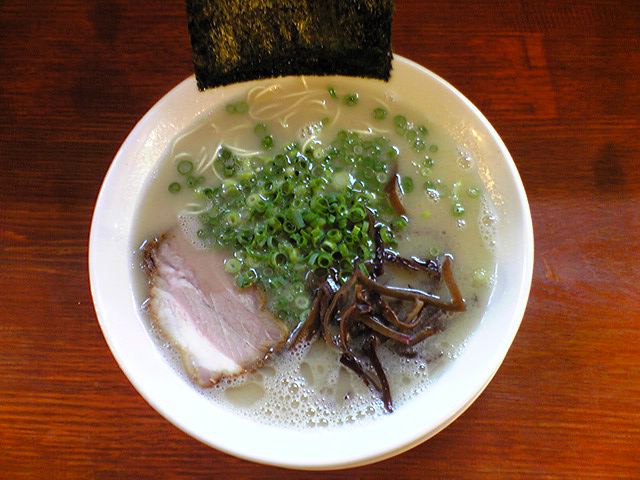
x,y
559,80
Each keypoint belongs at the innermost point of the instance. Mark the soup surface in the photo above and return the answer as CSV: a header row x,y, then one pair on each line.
x,y
446,211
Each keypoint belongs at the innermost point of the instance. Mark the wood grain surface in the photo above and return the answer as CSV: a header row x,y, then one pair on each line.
x,y
560,81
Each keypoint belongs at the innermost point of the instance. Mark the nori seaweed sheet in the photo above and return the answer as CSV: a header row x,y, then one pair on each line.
x,y
238,40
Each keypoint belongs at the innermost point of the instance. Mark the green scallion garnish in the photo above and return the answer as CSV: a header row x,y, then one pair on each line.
x,y
379,113
298,210
185,167
351,99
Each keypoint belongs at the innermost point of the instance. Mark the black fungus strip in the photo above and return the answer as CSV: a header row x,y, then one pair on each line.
x,y
345,325
394,195
411,319
378,259
447,272
401,293
413,294
421,335
391,316
370,350
351,361
377,324
429,266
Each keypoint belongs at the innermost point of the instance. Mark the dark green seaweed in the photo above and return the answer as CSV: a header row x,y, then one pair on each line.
x,y
238,40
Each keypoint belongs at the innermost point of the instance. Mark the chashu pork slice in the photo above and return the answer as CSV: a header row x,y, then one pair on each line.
x,y
218,329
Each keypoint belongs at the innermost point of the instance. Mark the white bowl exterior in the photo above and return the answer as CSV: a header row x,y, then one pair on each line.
x,y
110,258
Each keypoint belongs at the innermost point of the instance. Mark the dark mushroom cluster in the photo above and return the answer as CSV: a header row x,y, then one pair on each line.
x,y
358,315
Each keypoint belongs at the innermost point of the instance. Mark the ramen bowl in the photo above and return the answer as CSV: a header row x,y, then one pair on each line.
x,y
459,383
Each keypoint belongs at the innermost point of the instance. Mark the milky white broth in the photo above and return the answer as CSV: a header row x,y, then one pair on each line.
x,y
308,387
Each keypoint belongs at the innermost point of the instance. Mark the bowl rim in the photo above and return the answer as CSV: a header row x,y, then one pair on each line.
x,y
374,455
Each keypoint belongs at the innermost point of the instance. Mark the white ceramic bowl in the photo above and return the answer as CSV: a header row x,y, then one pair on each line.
x,y
110,259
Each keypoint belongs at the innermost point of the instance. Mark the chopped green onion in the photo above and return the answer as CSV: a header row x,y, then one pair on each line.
x,y
386,235
406,183
302,302
244,236
232,265
400,223
238,107
297,219
252,200
357,214
419,145
267,142
246,279
174,187
313,259
350,99
328,246
324,260
288,227
193,182
278,258
457,210
379,113
334,235
233,218
340,180
185,167
400,121
294,255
